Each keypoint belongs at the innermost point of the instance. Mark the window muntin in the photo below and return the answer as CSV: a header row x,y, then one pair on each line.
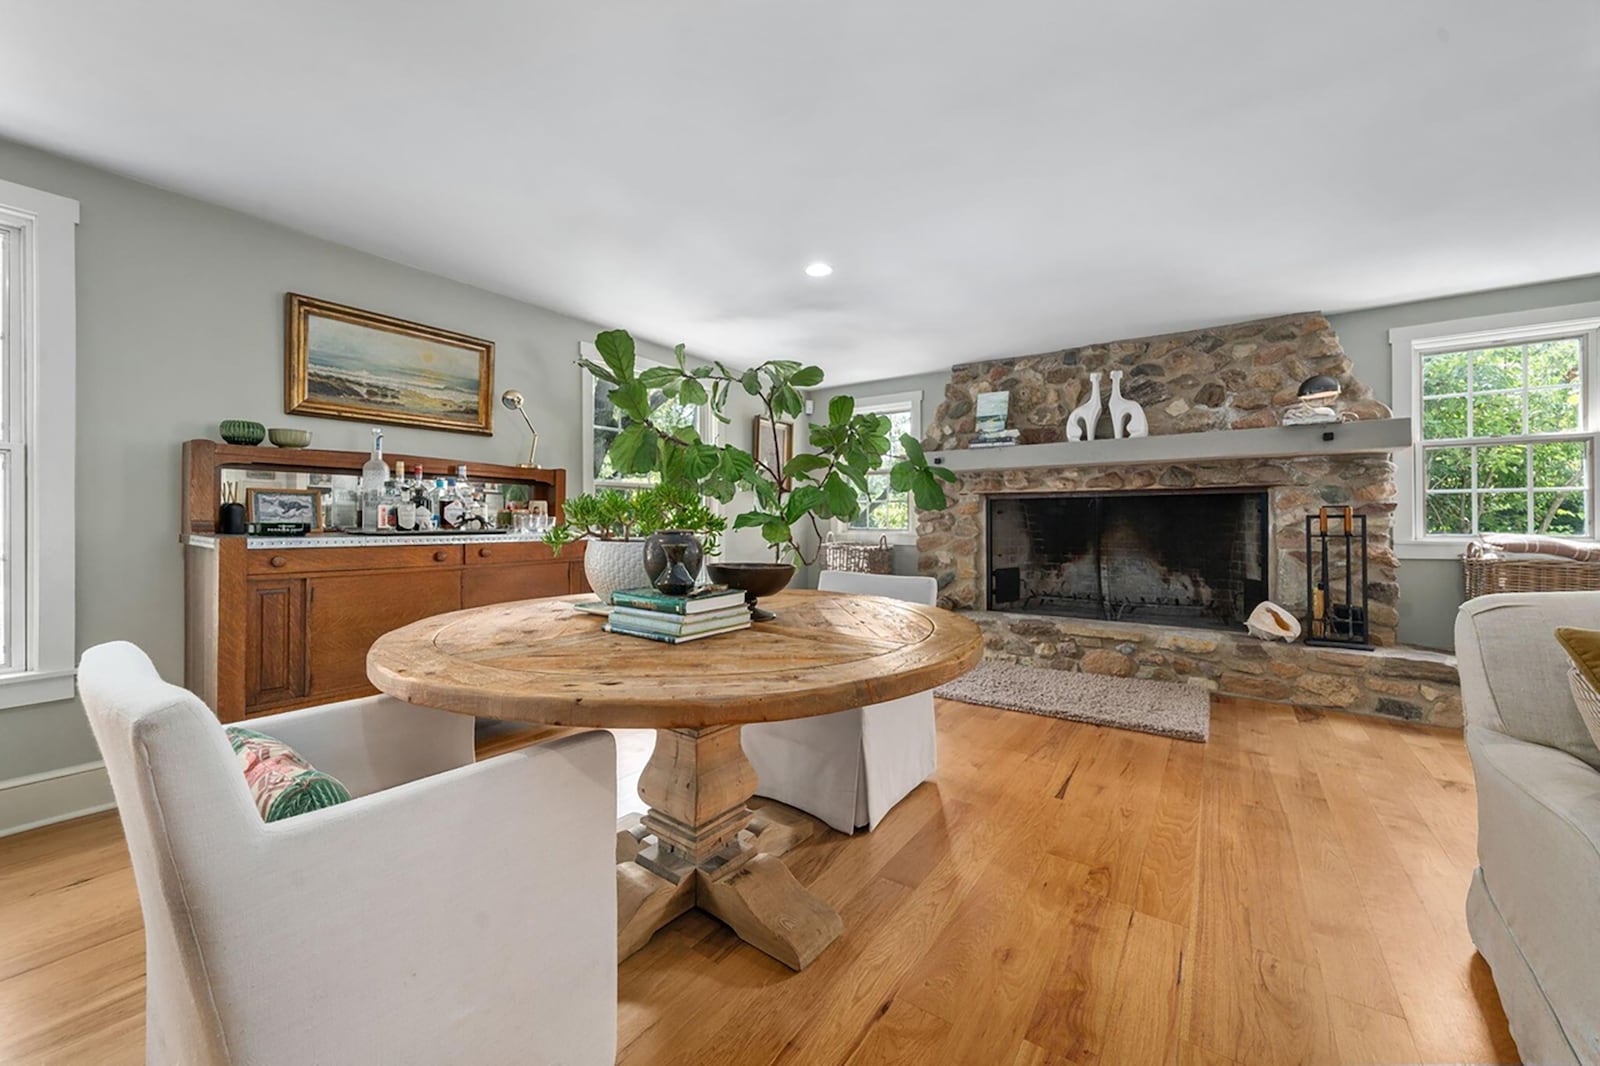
x,y
1504,445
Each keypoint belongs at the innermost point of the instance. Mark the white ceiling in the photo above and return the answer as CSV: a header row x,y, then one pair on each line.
x,y
986,178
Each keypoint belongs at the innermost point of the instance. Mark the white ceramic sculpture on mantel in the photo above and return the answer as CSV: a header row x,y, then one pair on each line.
x,y
1127,417
1080,423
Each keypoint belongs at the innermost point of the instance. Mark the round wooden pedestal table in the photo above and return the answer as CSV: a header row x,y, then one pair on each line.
x,y
699,845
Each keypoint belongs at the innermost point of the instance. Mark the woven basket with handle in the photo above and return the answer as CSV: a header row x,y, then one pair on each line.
x,y
1490,575
858,558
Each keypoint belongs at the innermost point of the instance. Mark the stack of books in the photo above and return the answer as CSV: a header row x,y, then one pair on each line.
x,y
997,439
677,619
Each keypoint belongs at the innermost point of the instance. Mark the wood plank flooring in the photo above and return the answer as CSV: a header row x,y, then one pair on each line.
x,y
1291,892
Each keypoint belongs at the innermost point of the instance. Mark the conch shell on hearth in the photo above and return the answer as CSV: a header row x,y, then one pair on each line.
x,y
1271,622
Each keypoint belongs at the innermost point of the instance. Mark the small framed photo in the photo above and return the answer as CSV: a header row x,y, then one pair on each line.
x,y
773,445
539,507
285,505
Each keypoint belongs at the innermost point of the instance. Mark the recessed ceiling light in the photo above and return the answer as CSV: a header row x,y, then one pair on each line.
x,y
818,270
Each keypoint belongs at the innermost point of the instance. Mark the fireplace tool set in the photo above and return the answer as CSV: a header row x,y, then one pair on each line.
x,y
1332,559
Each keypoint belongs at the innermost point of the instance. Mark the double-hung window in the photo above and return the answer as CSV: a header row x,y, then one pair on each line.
x,y
885,512
38,357
603,423
1504,418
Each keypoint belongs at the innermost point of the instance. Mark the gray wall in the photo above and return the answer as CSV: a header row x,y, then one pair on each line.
x,y
180,308
1430,589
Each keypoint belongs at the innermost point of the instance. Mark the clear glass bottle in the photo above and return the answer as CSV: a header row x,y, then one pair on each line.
x,y
373,474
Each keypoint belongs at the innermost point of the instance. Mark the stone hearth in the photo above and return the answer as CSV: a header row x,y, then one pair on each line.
x,y
1229,377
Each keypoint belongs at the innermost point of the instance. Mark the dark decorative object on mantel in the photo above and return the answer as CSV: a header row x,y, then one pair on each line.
x,y
1331,622
675,578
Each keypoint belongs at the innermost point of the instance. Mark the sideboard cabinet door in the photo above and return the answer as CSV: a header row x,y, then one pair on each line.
x,y
275,643
347,612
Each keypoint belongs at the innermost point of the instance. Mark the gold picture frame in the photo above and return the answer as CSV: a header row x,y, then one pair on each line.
x,y
268,505
343,362
761,446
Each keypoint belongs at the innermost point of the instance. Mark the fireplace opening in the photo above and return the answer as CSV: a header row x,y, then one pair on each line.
x,y
1169,558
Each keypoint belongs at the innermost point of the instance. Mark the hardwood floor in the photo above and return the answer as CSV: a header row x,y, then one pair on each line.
x,y
1292,891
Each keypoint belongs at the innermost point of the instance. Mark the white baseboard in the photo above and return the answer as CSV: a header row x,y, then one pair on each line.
x,y
53,796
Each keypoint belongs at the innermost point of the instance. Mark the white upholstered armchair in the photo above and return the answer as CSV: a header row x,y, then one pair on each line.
x,y
451,911
849,768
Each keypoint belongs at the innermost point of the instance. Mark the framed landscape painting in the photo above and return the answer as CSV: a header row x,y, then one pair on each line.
x,y
342,362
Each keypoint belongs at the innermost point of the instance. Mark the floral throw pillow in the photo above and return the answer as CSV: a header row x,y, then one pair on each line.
x,y
281,782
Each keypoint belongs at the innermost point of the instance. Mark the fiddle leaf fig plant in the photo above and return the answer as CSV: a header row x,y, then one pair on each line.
x,y
822,483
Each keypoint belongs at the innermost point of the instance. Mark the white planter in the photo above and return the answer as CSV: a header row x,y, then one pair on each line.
x,y
614,564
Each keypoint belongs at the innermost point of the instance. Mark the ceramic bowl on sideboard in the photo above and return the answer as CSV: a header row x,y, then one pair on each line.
x,y
242,431
289,438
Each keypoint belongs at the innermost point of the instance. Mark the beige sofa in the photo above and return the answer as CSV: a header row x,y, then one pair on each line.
x,y
1534,905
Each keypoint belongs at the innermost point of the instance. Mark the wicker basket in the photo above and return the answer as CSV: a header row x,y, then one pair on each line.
x,y
1486,576
858,558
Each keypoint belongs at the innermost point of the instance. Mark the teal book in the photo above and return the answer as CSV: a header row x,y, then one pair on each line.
x,y
648,599
675,638
662,622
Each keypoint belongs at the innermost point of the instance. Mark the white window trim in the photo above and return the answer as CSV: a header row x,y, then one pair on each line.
x,y
864,404
1407,344
590,352
45,400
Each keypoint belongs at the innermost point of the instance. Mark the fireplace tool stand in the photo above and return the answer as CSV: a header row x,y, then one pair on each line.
x,y
1333,621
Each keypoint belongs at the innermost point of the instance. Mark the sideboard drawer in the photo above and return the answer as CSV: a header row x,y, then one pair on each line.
x,y
322,560
517,551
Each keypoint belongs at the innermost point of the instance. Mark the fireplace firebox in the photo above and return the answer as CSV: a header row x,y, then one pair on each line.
x,y
1170,558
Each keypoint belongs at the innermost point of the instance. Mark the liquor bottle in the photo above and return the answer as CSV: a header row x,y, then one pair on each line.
x,y
454,511
405,508
373,474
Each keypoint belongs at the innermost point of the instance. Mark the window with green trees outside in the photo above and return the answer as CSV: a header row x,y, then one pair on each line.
x,y
1506,445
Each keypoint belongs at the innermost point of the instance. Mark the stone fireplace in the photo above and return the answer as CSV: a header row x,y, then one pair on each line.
x,y
1146,568
1177,558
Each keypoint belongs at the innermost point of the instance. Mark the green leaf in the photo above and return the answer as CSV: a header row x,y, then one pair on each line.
x,y
840,496
633,451
633,400
682,362
766,493
806,377
900,475
944,473
788,402
775,531
927,491
616,348
752,518
657,376
751,383
840,409
691,391
803,464
719,488
913,449
703,460
601,372
737,464
803,499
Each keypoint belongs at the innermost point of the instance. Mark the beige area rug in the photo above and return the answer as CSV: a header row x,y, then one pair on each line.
x,y
1161,707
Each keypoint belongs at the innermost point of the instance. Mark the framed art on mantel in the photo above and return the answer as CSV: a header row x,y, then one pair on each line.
x,y
773,446
342,362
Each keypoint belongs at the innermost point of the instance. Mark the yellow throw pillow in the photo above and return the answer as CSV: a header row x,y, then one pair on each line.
x,y
1583,648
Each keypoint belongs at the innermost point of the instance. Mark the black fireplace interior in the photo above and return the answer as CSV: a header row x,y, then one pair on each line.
x,y
1185,559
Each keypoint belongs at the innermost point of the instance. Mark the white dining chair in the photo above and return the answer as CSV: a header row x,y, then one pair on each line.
x,y
849,768
451,911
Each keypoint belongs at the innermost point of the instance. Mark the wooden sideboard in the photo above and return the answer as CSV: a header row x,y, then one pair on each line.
x,y
272,625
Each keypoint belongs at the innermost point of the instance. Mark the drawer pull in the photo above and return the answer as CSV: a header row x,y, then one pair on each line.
x,y
279,560
440,556
483,553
